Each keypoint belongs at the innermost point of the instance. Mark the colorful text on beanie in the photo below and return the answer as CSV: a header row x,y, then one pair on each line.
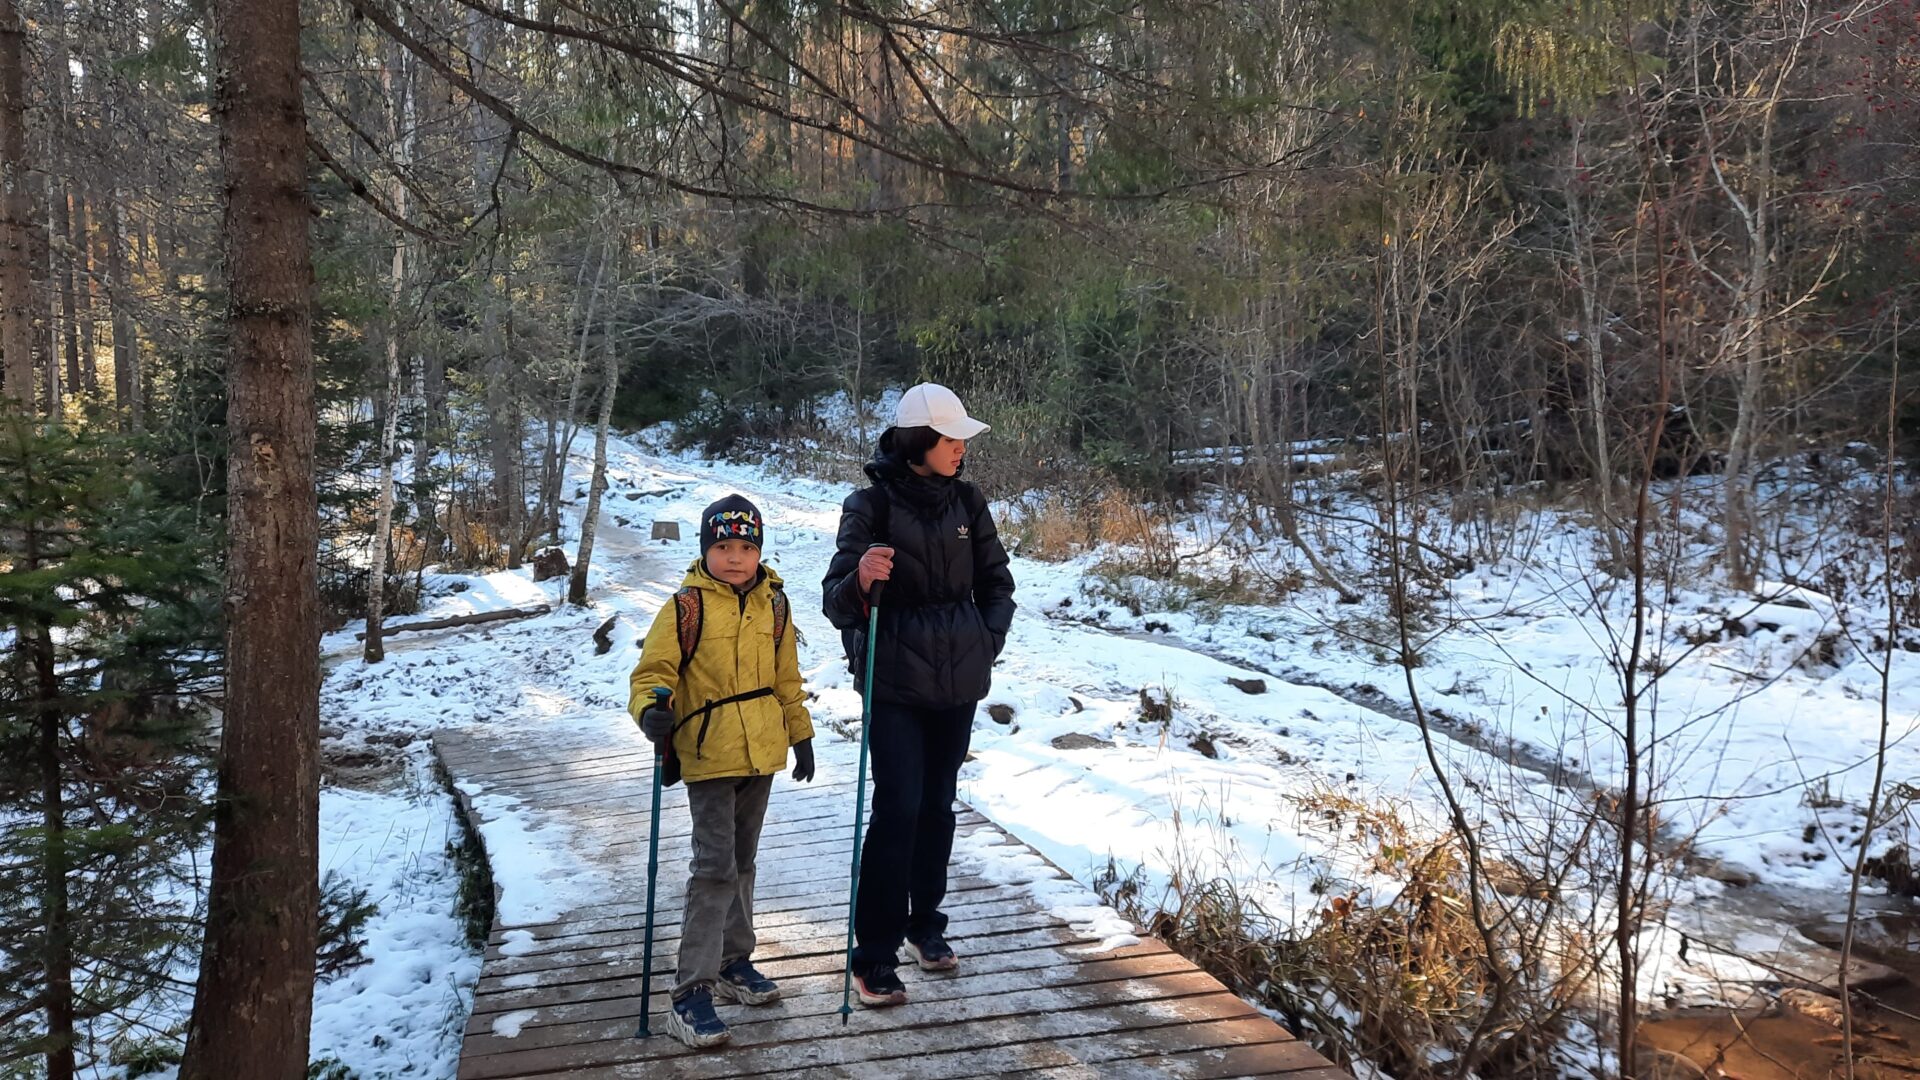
x,y
732,518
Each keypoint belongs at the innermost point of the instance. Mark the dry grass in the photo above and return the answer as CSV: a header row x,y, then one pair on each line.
x,y
1399,979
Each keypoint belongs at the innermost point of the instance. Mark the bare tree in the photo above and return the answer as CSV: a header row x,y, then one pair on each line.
x,y
395,82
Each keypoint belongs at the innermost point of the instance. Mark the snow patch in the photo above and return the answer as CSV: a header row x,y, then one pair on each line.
x,y
508,1025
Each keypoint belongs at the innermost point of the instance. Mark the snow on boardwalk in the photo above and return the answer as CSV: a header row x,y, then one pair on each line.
x,y
1034,996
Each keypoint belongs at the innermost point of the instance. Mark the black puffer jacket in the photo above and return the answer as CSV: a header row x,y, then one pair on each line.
x,y
944,614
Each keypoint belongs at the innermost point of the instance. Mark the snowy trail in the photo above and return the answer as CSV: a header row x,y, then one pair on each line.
x,y
1108,754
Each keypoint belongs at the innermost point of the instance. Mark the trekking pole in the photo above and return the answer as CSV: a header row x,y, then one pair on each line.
x,y
653,869
860,801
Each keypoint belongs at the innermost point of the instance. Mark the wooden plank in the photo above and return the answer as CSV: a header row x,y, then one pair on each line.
x,y
828,911
490,1004
785,1044
1051,937
817,937
1212,1063
775,896
1107,1050
816,994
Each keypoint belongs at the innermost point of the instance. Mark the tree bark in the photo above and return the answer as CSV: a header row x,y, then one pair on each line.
x,y
16,210
474,619
85,378
119,304
253,1003
589,523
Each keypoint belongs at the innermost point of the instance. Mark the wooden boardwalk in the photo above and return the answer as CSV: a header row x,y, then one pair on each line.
x,y
562,998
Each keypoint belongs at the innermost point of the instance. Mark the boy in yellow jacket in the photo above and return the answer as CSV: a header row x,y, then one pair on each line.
x,y
724,650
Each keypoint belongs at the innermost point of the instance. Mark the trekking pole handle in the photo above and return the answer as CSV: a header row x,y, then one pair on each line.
x,y
874,590
661,696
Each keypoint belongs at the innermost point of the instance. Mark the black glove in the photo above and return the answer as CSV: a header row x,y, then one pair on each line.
x,y
656,723
803,760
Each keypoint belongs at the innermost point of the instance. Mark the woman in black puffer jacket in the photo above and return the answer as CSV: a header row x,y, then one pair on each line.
x,y
944,617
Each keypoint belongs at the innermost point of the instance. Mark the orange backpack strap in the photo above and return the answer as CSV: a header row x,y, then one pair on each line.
x,y
690,614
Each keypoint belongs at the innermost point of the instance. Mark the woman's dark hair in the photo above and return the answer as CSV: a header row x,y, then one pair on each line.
x,y
911,444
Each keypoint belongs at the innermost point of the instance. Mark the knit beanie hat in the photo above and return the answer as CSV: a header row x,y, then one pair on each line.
x,y
732,518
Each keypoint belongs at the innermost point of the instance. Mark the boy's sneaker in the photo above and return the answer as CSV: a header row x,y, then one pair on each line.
x,y
880,988
693,1021
739,982
932,953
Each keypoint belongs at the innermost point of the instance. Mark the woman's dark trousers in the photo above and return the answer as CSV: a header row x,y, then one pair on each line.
x,y
917,753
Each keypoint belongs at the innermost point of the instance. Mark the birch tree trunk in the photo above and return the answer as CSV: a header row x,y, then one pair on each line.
x,y
577,584
394,80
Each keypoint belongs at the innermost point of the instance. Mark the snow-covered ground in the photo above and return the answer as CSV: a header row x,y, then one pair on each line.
x,y
1163,745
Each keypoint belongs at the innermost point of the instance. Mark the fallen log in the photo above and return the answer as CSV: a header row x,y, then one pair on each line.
x,y
461,620
603,637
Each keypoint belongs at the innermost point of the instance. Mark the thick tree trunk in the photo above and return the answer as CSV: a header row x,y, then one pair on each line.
x,y
16,213
577,584
254,1001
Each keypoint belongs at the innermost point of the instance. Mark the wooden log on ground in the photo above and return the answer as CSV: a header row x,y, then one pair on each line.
x,y
603,637
477,617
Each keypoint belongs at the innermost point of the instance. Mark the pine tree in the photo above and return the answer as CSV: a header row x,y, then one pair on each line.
x,y
107,596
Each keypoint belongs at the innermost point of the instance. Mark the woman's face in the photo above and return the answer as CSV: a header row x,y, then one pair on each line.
x,y
945,457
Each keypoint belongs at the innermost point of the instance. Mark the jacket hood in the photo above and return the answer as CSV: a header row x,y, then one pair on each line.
x,y
698,578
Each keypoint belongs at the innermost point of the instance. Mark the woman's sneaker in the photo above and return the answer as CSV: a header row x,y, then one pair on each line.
x,y
692,1020
932,953
880,988
739,982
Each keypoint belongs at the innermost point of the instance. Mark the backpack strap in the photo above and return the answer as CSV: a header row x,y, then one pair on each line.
x,y
782,615
691,615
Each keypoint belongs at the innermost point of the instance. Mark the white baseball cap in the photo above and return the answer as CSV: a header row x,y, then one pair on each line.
x,y
935,406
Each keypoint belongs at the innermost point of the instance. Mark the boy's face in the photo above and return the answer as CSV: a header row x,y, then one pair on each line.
x,y
735,562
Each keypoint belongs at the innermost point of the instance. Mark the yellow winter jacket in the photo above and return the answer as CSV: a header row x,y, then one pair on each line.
x,y
735,655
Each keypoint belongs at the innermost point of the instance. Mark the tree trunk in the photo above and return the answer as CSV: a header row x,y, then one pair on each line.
x,y
16,213
577,584
66,238
1587,277
573,386
503,437
87,377
46,332
400,139
254,999
125,350
58,947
